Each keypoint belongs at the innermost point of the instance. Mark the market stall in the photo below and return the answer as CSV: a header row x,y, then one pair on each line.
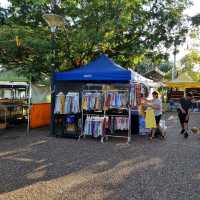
x,y
178,89
23,100
14,103
148,84
95,100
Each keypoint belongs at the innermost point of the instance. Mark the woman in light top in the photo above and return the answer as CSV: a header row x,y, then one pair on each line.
x,y
156,104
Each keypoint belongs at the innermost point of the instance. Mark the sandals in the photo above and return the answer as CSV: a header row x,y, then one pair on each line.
x,y
186,134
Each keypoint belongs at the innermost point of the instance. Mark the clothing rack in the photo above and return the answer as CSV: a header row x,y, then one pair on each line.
x,y
106,109
106,114
63,117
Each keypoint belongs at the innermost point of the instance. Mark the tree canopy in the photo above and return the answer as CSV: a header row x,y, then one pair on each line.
x,y
189,62
129,31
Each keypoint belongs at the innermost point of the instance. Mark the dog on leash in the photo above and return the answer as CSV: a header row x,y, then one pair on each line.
x,y
195,130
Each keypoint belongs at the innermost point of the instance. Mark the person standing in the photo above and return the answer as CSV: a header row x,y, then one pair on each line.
x,y
156,104
184,111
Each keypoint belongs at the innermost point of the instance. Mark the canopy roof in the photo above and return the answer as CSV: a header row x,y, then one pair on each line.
x,y
184,77
182,84
146,81
139,78
101,69
7,84
183,81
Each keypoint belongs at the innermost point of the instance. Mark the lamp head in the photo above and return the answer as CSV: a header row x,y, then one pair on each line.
x,y
53,21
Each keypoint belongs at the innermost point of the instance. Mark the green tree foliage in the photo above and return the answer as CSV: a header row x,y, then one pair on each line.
x,y
129,31
166,67
190,60
188,63
149,64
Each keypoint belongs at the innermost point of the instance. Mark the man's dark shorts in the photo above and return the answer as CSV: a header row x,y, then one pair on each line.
x,y
183,117
158,119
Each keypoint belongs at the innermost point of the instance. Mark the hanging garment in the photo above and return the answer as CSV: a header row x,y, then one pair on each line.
x,y
118,123
72,102
135,95
138,94
84,103
150,118
92,101
132,96
98,103
116,100
60,104
94,126
107,102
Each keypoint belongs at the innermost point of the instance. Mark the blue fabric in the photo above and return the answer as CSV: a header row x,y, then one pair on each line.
x,y
142,122
101,69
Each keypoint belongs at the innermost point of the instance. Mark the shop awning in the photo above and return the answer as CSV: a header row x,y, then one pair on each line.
x,y
182,84
8,84
101,69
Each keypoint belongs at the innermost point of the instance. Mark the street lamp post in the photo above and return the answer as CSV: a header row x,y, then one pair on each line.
x,y
54,21
177,42
174,65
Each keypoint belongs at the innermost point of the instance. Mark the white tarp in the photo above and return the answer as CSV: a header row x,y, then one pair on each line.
x,y
40,94
14,83
141,79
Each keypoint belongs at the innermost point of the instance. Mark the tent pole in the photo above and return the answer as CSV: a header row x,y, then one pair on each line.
x,y
29,108
129,115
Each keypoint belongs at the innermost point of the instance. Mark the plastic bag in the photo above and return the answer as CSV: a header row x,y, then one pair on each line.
x,y
163,124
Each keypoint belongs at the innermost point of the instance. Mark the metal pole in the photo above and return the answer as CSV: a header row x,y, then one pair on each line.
x,y
129,115
29,107
53,47
174,66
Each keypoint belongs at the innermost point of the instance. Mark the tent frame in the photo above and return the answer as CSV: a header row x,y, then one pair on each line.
x,y
106,136
93,73
81,91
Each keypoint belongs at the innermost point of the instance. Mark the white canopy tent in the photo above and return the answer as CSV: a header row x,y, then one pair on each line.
x,y
141,79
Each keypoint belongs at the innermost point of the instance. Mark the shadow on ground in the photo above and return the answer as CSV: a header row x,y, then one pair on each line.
x,y
42,167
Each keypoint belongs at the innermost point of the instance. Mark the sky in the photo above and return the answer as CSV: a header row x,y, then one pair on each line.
x,y
195,9
4,3
190,11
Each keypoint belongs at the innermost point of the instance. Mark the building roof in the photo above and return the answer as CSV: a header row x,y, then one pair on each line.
x,y
154,74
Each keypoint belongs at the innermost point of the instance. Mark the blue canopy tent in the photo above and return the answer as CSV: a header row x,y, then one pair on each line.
x,y
100,70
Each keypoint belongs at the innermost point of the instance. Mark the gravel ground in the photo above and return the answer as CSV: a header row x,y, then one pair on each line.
x,y
38,167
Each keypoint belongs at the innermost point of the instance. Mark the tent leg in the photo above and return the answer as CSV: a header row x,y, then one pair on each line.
x,y
29,108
